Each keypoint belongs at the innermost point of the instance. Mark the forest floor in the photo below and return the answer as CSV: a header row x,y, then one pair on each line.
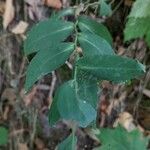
x,y
25,115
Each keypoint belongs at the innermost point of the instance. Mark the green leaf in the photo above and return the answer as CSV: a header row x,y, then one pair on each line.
x,y
88,89
71,107
89,25
111,67
47,34
69,143
120,139
148,38
137,28
140,9
63,13
138,24
54,114
3,136
45,62
105,9
93,44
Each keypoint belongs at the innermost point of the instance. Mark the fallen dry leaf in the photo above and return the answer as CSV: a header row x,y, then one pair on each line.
x,y
20,28
39,144
126,120
2,8
6,112
8,14
9,94
53,3
29,97
22,146
128,2
36,9
146,92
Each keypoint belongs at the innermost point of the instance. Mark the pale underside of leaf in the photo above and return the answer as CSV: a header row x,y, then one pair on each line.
x,y
137,28
140,9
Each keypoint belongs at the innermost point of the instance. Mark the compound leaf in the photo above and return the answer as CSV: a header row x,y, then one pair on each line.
x,y
111,67
120,139
94,44
46,34
88,25
45,62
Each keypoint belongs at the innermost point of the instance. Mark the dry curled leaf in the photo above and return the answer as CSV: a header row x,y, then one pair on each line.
x,y
53,3
39,144
8,14
146,92
126,120
20,28
29,97
2,8
36,9
128,2
22,146
9,94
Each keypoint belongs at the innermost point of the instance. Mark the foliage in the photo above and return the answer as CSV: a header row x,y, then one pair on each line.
x,y
120,139
99,62
138,24
53,41
3,136
105,9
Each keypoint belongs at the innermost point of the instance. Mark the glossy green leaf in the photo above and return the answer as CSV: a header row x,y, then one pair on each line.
x,y
111,67
89,25
69,143
47,34
93,44
71,107
63,13
3,136
105,9
120,139
45,62
140,9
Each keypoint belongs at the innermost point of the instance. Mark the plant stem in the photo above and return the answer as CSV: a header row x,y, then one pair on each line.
x,y
89,5
76,54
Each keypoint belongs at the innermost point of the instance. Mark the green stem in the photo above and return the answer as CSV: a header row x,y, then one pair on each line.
x,y
76,54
